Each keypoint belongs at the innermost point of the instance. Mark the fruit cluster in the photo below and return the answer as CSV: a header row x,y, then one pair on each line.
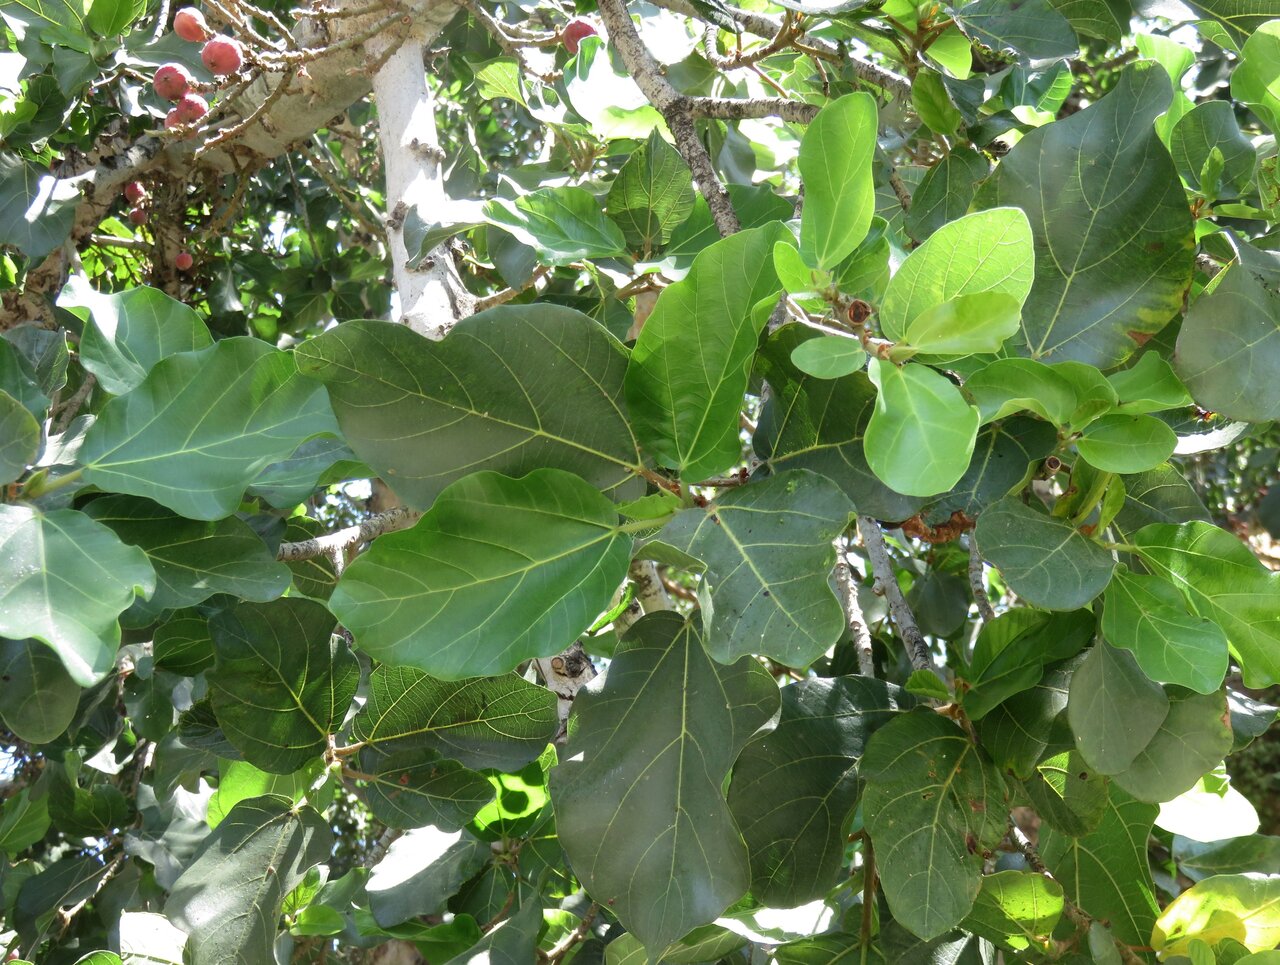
x,y
223,55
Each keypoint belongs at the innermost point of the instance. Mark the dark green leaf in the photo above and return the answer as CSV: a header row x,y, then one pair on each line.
x,y
499,570
228,901
1202,129
1012,650
38,698
1019,732
945,192
513,942
64,883
282,682
44,352
652,194
638,796
768,556
1032,30
182,644
19,438
932,804
37,210
1114,709
417,787
549,395
1113,248
24,819
1192,739
562,225
421,871
1003,456
1068,794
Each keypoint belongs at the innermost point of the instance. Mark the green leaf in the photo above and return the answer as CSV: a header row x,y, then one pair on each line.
x,y
193,560
18,378
1044,560
131,331
965,325
1208,126
983,252
513,942
37,210
1252,852
1090,18
1106,872
1242,907
63,884
19,438
933,104
1004,456
947,188
562,225
1065,393
45,353
485,722
24,820
228,900
925,683
689,368
1032,31
652,194
1228,349
794,788
755,204
421,871
1162,495
90,812
1113,708
1148,616
768,555
1224,582
638,796
542,388
282,682
835,166
1149,386
414,788
1017,910
1011,652
1256,78
39,699
499,570
819,424
1192,739
201,426
828,356
1127,443
317,462
65,580
1068,794
239,781
1114,245
182,644
932,803
921,435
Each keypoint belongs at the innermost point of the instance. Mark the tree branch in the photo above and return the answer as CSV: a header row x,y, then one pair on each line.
x,y
887,586
853,613
343,540
977,583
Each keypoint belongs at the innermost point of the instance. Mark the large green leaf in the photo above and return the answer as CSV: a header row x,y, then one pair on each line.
x,y
1127,443
638,791
987,252
652,194
421,871
1192,739
201,426
1114,238
228,900
690,365
1017,910
1068,794
1106,872
416,788
1044,560
1032,30
932,803
512,389
921,435
499,570
1147,615
1019,732
19,438
1239,18
793,788
1113,708
37,210
65,579
130,331
1224,582
562,225
1207,128
945,191
1065,393
485,722
835,165
39,699
768,556
1256,78
1012,650
193,560
819,424
965,325
1242,907
1229,348
282,682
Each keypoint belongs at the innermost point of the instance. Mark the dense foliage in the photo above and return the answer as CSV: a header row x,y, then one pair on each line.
x,y
795,549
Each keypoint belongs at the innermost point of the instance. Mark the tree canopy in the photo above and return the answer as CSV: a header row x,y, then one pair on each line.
x,y
667,482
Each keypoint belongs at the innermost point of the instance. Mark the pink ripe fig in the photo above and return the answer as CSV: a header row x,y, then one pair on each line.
x,y
191,108
575,32
183,261
188,23
137,215
223,55
134,192
172,119
172,81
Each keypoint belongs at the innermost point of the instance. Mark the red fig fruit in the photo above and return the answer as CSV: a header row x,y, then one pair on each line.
x,y
137,215
575,32
172,119
172,81
188,23
222,55
134,192
191,108
183,261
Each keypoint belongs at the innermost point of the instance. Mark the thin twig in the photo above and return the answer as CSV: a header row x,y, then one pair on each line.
x,y
380,847
515,291
566,944
887,586
69,408
344,539
977,583
853,614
